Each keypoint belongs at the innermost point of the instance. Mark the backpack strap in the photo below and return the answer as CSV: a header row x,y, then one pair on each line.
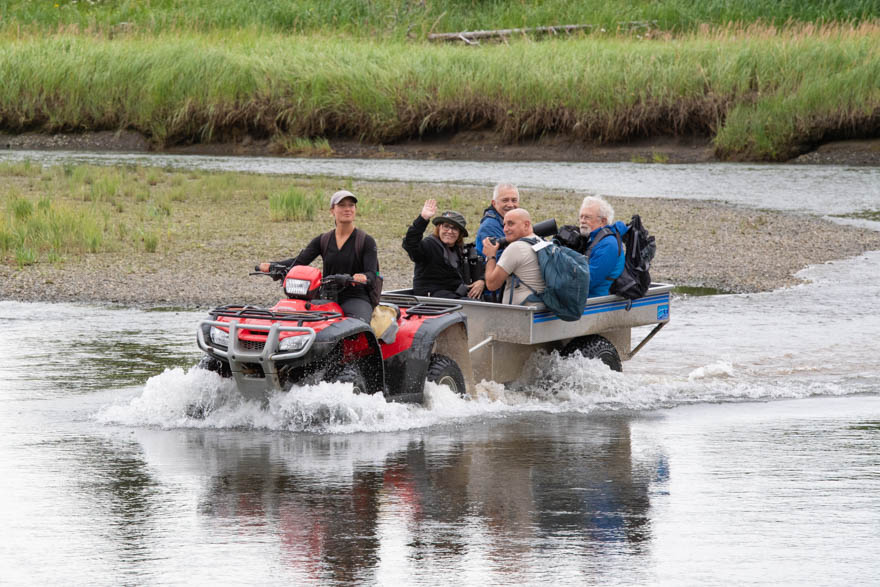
x,y
325,242
516,281
359,237
603,232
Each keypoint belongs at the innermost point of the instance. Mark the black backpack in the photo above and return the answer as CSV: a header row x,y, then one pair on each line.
x,y
635,279
374,288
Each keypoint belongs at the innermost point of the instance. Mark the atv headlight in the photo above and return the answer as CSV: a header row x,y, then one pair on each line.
x,y
293,343
219,337
296,287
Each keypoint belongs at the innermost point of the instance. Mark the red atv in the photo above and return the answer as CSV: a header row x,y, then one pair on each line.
x,y
305,339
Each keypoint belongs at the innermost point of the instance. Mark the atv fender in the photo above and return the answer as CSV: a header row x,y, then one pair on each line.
x,y
407,370
453,343
369,360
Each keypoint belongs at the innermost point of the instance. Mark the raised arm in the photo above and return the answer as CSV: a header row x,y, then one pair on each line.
x,y
412,241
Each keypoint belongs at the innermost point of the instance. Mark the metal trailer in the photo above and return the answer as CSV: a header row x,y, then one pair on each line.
x,y
501,338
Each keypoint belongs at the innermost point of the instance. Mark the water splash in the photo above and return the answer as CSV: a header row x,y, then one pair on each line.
x,y
551,383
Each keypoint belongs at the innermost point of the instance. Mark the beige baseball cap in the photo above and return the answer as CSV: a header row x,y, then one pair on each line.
x,y
341,195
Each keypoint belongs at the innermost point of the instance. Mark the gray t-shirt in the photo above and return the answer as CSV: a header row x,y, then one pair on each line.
x,y
519,258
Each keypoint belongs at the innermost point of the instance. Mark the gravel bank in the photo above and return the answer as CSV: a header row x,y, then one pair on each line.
x,y
700,244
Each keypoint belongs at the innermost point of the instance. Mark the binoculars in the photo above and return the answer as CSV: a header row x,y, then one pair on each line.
x,y
545,228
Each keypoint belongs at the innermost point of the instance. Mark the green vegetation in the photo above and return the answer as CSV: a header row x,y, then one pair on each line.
x,y
294,204
304,147
686,290
410,18
46,218
862,215
47,215
30,233
761,93
57,213
180,228
766,80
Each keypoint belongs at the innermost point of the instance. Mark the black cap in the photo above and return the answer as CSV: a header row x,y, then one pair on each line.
x,y
454,218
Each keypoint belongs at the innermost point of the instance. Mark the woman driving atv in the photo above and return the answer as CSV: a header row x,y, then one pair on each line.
x,y
340,251
443,269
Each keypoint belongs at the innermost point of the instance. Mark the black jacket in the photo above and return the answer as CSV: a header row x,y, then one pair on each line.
x,y
437,267
343,261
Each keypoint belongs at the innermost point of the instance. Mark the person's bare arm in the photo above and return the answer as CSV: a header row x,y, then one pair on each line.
x,y
495,275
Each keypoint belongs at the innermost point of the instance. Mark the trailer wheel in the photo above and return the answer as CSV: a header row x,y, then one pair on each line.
x,y
444,371
595,347
351,373
209,363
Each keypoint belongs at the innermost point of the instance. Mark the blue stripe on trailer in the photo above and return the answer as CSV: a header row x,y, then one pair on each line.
x,y
655,300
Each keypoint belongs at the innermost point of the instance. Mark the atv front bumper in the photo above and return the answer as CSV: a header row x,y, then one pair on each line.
x,y
254,367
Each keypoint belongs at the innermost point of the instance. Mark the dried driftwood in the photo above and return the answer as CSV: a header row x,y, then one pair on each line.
x,y
470,37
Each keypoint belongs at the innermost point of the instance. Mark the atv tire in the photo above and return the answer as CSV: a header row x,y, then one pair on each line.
x,y
595,347
351,373
209,363
444,371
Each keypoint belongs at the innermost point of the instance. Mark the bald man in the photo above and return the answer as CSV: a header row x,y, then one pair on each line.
x,y
519,266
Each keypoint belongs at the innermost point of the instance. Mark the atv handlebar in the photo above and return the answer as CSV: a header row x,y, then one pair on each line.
x,y
276,271
331,285
340,280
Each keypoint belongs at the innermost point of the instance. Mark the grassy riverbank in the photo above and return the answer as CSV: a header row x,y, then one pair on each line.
x,y
142,235
413,18
762,94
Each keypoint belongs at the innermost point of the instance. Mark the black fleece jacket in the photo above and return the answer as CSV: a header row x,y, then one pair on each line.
x,y
437,267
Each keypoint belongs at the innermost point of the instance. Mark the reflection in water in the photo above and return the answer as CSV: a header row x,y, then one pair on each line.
x,y
111,508
345,509
129,360
53,350
611,502
122,487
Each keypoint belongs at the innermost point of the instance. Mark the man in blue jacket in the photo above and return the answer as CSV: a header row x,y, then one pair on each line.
x,y
505,198
604,248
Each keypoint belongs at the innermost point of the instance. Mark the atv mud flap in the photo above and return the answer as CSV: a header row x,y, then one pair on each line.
x,y
255,370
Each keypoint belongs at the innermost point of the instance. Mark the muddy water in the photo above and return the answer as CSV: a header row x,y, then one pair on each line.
x,y
741,446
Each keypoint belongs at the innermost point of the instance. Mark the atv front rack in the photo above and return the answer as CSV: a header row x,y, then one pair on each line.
x,y
254,312
250,381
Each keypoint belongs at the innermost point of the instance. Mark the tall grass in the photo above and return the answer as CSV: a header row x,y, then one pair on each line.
x,y
408,18
762,93
47,231
294,204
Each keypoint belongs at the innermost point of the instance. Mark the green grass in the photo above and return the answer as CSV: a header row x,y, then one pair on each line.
x,y
221,226
294,204
761,93
402,19
862,215
47,231
305,147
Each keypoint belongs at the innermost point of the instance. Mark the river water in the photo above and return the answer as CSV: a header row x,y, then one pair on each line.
x,y
741,446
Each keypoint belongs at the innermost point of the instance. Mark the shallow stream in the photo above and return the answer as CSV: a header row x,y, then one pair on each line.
x,y
741,446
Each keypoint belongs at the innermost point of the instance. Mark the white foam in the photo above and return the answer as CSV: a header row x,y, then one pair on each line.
x,y
720,370
731,348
